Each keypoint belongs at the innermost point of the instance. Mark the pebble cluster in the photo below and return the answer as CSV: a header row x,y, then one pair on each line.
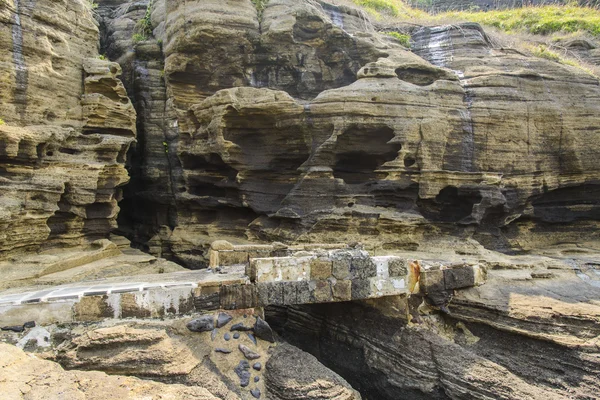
x,y
260,329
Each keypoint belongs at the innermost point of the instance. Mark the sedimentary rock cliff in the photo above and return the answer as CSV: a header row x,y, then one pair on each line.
x,y
68,125
299,120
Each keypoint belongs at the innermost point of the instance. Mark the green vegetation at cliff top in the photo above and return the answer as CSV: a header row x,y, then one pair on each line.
x,y
390,8
537,20
541,20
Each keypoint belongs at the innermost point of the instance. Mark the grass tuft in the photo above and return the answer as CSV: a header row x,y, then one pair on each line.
x,y
402,38
138,37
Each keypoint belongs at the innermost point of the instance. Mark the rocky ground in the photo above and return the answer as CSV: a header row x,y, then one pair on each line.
x,y
218,356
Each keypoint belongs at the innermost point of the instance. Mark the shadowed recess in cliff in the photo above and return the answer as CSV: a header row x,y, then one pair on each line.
x,y
360,151
451,204
61,223
568,204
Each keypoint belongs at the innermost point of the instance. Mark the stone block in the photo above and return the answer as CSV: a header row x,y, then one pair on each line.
x,y
262,291
380,287
207,302
432,280
303,294
275,296
320,269
342,290
322,292
341,268
360,289
397,267
238,296
213,258
220,245
362,267
290,293
461,277
280,269
233,258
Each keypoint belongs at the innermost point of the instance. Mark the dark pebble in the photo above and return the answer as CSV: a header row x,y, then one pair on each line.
x,y
222,350
240,327
256,379
243,372
263,331
249,354
17,328
257,366
223,319
255,393
29,324
236,335
205,323
227,336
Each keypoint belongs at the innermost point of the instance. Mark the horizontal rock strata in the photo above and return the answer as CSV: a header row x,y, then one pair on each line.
x,y
68,124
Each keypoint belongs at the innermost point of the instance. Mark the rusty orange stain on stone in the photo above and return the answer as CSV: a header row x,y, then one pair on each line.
x,y
414,274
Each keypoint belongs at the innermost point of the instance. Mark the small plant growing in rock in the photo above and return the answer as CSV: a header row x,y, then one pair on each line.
x,y
144,25
166,146
2,121
260,6
138,37
402,38
102,57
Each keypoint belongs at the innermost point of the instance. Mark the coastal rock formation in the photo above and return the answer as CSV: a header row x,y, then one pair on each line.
x,y
294,374
24,376
166,352
300,123
534,345
68,124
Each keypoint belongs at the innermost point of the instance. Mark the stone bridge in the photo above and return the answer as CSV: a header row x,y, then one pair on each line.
x,y
242,277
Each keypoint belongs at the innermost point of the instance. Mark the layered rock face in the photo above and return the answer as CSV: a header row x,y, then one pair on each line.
x,y
68,127
453,357
299,123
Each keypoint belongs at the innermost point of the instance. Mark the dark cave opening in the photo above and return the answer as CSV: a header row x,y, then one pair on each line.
x,y
452,204
360,166
336,334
